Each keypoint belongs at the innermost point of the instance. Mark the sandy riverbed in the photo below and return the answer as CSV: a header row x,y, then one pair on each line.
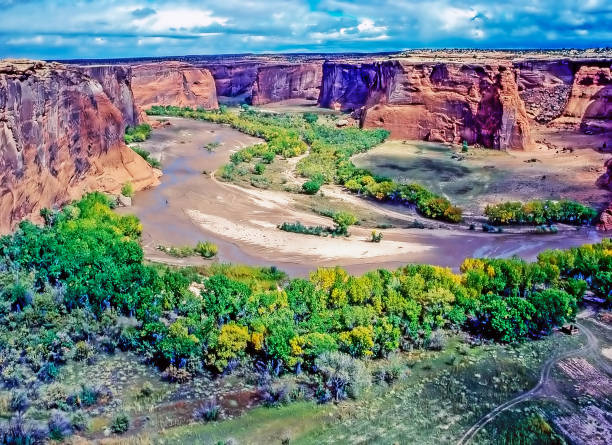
x,y
192,205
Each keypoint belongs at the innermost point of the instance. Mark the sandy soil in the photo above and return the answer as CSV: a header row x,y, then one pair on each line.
x,y
481,176
190,206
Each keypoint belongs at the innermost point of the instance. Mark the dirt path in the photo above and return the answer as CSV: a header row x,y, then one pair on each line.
x,y
539,389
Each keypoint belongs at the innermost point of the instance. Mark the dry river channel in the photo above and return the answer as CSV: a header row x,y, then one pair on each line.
x,y
192,205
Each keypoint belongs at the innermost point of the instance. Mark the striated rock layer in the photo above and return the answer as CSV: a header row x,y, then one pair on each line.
x,y
116,81
444,102
61,135
173,83
282,82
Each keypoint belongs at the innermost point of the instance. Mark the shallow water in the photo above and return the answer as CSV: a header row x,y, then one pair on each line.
x,y
163,212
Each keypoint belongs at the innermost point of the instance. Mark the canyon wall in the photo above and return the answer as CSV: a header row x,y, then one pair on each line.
x,y
260,82
61,135
116,81
443,102
567,94
234,80
173,83
282,82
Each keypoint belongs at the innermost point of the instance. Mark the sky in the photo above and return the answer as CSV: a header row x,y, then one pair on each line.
x,y
59,29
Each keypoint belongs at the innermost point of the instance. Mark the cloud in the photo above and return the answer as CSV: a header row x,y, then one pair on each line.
x,y
129,28
143,12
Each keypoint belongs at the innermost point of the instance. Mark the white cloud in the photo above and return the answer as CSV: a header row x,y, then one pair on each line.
x,y
178,19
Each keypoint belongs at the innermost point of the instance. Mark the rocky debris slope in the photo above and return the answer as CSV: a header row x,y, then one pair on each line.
x,y
60,136
566,93
443,102
173,83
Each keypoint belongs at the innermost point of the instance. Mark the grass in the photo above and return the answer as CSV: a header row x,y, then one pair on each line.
x,y
440,396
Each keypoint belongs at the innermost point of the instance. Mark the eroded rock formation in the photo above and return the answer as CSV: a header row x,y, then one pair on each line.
x,y
60,136
589,107
446,102
116,81
173,83
282,82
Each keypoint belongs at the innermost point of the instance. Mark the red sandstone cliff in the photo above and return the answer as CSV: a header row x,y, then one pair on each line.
x,y
116,81
173,83
60,136
281,82
445,102
589,106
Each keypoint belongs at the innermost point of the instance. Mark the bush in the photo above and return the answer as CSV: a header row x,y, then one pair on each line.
x,y
19,402
206,249
312,186
139,133
127,190
176,375
310,118
343,375
208,411
147,157
120,423
18,431
60,426
376,237
259,168
82,351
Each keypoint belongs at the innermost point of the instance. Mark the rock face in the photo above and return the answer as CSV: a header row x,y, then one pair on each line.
x,y
61,135
173,83
589,107
234,80
116,81
260,82
282,82
445,102
570,94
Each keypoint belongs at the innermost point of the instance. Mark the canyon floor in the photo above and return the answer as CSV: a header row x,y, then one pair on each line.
x,y
192,204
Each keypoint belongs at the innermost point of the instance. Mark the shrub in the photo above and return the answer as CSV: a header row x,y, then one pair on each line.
x,y
343,375
259,168
19,402
138,133
60,426
176,375
436,340
312,186
18,431
120,423
310,118
206,249
276,395
82,351
376,237
127,190
147,157
208,411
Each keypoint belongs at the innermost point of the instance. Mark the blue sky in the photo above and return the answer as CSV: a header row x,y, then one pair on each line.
x,y
131,28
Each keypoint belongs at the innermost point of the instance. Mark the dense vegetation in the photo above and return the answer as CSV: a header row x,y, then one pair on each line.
x,y
78,286
540,212
328,159
138,133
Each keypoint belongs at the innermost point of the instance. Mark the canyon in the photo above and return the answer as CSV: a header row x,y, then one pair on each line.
x,y
61,135
61,125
